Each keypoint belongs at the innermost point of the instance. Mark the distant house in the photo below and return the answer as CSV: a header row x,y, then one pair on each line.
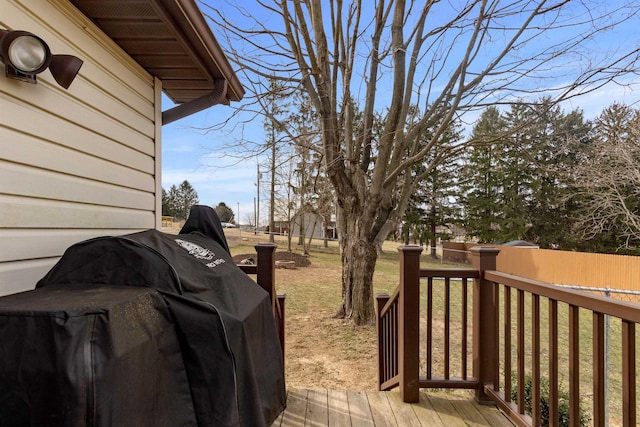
x,y
85,161
280,227
313,225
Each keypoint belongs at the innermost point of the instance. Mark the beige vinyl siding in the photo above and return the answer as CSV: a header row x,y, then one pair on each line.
x,y
158,153
16,274
76,163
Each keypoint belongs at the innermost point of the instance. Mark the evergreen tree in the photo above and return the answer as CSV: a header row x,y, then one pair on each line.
x,y
481,183
186,198
172,201
414,225
178,200
515,179
224,212
515,171
431,205
166,205
550,210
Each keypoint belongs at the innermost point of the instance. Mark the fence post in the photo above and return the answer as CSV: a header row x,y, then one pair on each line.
x,y
409,323
485,322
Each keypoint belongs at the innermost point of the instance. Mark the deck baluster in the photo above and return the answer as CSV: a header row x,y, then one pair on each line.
x,y
629,373
554,418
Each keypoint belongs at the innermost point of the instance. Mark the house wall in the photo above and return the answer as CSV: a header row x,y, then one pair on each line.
x,y
76,163
312,225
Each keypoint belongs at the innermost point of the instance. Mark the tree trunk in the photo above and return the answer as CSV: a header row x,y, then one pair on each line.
x,y
303,230
433,241
325,238
307,247
358,264
432,225
290,232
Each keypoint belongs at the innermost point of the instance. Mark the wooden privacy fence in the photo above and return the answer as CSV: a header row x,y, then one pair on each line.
x,y
560,267
572,268
519,328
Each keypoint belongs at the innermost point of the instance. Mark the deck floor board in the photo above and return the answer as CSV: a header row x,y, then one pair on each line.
x,y
385,409
338,408
380,409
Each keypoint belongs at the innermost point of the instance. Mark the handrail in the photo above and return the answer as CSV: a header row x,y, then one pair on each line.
x,y
450,273
493,326
597,303
391,300
629,315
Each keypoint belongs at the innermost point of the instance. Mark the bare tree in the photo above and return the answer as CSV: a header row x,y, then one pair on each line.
x,y
607,180
448,58
285,197
308,171
249,219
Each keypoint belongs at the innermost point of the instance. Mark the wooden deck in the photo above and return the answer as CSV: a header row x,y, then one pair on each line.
x,y
374,408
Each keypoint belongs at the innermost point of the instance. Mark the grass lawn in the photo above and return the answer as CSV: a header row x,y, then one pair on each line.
x,y
323,352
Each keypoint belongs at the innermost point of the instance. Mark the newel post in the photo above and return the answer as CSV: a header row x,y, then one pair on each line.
x,y
266,278
485,321
266,274
409,322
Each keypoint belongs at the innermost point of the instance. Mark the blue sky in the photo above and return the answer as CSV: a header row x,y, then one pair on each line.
x,y
190,154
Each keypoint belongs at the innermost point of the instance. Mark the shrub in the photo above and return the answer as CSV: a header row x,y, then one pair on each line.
x,y
563,402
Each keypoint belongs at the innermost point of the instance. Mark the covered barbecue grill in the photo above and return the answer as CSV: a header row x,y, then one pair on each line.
x,y
142,329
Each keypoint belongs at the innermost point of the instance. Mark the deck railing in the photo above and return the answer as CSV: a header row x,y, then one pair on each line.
x,y
510,319
264,270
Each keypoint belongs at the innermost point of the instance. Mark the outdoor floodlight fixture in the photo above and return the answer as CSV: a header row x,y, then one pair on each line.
x,y
24,55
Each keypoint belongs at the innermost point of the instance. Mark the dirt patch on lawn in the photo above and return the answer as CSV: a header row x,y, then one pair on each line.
x,y
299,259
321,351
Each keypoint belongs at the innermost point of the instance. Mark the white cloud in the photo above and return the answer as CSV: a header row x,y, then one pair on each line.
x,y
230,184
594,102
176,176
179,148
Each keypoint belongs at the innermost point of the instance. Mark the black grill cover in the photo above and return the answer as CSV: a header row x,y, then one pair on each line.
x,y
91,356
221,318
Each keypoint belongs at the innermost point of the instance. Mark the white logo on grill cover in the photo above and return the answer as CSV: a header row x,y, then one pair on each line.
x,y
196,250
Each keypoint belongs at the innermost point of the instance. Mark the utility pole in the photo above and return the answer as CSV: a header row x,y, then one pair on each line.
x,y
258,203
239,229
272,205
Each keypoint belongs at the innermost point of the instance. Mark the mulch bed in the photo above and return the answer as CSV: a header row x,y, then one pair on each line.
x,y
300,260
